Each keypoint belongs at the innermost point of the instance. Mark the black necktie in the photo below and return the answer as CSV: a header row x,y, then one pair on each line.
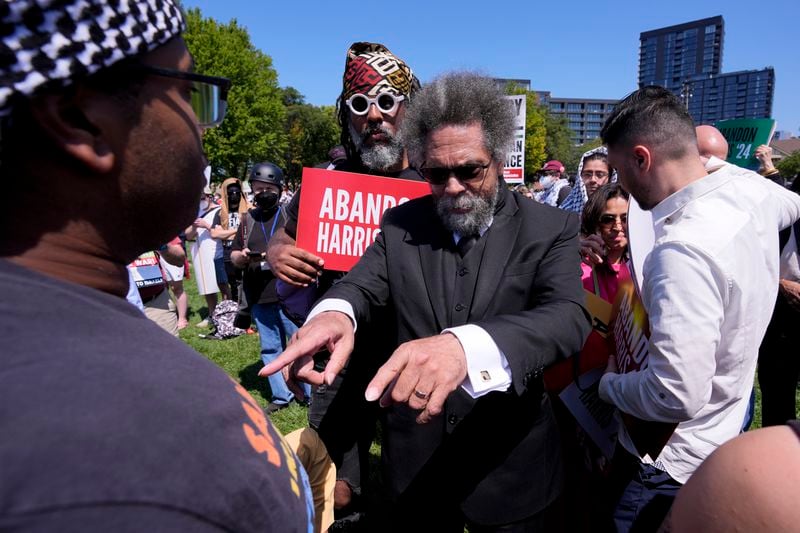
x,y
465,243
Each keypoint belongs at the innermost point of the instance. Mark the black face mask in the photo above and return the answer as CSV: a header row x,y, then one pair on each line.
x,y
266,200
234,197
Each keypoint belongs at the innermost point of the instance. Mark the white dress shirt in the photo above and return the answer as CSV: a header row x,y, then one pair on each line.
x,y
487,366
710,284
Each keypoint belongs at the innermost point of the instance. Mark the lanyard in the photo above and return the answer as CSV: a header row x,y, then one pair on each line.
x,y
272,232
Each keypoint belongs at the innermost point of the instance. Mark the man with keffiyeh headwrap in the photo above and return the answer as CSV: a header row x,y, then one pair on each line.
x,y
109,423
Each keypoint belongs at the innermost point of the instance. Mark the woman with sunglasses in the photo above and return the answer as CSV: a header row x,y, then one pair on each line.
x,y
605,222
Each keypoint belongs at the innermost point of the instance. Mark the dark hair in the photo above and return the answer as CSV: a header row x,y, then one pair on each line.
x,y
597,156
593,210
653,116
343,118
459,98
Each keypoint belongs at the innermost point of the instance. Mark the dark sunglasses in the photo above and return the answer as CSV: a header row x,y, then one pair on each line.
x,y
209,93
386,102
611,220
468,174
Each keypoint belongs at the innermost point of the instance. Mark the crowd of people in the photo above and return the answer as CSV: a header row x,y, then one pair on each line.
x,y
441,335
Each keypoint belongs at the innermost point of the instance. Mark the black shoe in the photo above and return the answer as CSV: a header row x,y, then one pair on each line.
x,y
273,407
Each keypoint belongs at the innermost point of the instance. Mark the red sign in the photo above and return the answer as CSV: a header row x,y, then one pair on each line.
x,y
340,212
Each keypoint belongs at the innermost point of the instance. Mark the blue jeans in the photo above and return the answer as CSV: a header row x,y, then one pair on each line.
x,y
275,330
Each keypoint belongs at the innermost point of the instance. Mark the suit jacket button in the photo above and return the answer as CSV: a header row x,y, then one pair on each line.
x,y
452,419
459,307
463,272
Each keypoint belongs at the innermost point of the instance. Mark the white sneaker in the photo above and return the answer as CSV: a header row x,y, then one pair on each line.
x,y
203,323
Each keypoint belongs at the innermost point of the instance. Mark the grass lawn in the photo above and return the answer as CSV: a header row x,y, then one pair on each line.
x,y
239,357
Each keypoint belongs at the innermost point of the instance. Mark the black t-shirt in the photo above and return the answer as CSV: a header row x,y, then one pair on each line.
x,y
258,281
290,212
109,423
233,223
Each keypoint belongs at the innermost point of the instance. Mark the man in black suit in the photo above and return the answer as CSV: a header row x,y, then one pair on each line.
x,y
484,290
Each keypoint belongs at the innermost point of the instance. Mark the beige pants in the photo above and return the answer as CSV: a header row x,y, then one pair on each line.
x,y
161,310
321,471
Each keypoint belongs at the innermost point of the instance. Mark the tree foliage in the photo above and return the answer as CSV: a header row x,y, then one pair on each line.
x,y
311,132
558,142
253,129
789,166
576,152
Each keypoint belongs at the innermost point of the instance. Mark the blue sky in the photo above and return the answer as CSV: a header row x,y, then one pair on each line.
x,y
578,49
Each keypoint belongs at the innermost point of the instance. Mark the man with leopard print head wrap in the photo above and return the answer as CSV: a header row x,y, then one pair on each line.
x,y
375,88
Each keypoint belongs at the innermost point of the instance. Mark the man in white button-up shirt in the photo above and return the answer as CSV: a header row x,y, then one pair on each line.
x,y
481,290
709,287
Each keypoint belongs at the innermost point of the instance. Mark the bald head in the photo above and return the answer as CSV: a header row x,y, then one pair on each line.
x,y
710,142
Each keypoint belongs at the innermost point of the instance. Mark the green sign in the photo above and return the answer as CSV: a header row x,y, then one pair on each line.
x,y
744,136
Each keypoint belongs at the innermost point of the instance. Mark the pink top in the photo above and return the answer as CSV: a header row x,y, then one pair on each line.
x,y
608,284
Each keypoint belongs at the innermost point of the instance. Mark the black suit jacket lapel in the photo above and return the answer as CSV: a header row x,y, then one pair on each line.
x,y
500,239
435,248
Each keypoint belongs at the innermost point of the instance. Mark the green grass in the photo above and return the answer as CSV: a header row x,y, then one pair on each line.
x,y
239,357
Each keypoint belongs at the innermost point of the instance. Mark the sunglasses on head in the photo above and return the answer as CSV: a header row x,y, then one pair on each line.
x,y
209,93
359,104
468,174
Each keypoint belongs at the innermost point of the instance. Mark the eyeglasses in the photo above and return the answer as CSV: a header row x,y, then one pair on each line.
x,y
609,220
467,174
587,174
209,93
359,104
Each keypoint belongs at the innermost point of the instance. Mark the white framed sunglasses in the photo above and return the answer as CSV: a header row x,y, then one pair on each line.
x,y
359,104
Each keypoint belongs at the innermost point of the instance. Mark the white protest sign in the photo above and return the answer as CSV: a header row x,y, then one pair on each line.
x,y
515,157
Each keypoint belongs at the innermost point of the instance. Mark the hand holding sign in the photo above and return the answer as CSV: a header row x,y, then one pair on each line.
x,y
332,330
291,264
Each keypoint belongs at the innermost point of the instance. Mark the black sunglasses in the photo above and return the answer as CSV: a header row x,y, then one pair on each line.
x,y
209,93
468,174
610,220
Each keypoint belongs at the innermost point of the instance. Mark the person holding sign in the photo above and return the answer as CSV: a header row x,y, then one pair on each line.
x,y
376,87
710,284
480,294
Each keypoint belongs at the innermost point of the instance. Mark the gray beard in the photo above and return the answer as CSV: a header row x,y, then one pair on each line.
x,y
379,156
472,222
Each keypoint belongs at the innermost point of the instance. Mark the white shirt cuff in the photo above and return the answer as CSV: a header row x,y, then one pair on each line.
x,y
487,367
334,304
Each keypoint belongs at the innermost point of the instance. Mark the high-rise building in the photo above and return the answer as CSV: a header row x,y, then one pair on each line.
x,y
744,94
668,56
687,60
521,83
585,116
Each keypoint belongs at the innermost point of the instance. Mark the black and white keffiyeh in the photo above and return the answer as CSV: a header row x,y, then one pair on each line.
x,y
53,42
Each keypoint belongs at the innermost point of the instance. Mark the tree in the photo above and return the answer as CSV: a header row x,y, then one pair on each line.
x,y
558,141
253,129
535,130
789,166
311,132
576,152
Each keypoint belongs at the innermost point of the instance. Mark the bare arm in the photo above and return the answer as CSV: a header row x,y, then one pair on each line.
x,y
221,234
